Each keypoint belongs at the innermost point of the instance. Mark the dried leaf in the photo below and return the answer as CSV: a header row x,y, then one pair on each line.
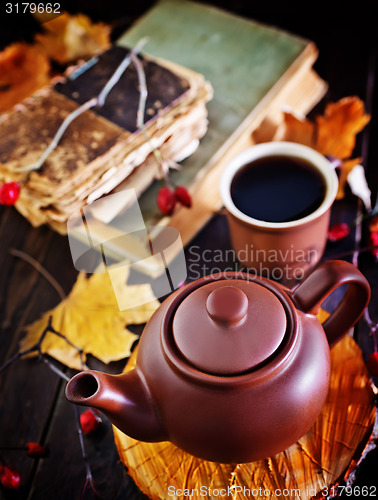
x,y
70,37
90,318
23,70
327,453
336,131
333,134
346,167
298,129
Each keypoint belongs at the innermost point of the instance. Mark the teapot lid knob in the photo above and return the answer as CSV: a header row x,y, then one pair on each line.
x,y
227,304
229,327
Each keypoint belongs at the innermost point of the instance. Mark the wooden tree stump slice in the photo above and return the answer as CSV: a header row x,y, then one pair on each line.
x,y
321,458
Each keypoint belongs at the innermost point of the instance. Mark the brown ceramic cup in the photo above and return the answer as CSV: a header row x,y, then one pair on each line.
x,y
279,250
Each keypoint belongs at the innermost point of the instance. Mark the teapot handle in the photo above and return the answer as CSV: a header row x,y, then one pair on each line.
x,y
324,280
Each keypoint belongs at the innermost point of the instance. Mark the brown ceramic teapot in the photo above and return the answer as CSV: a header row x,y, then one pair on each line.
x,y
231,368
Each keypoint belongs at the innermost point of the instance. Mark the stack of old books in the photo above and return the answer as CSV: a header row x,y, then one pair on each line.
x,y
254,70
103,149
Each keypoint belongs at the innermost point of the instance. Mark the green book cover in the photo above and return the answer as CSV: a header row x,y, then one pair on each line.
x,y
243,60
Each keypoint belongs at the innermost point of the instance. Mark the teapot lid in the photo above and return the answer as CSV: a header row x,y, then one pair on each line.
x,y
229,327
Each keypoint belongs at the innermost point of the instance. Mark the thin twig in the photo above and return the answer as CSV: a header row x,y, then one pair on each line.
x,y
366,136
67,121
364,217
143,94
30,260
373,327
352,252
14,358
88,472
119,71
37,347
54,368
68,341
98,100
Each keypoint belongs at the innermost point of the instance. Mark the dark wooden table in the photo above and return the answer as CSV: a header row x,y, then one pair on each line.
x,y
32,402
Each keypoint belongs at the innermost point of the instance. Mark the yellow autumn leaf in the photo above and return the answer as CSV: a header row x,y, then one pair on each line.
x,y
90,318
71,37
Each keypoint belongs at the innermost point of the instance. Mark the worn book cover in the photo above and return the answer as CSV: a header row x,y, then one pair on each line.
x,y
249,66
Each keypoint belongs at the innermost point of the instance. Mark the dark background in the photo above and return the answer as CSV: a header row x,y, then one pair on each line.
x,y
34,405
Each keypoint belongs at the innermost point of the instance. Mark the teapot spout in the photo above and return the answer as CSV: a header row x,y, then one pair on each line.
x,y
124,399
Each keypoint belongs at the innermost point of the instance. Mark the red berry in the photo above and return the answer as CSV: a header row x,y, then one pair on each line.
x,y
372,364
373,241
338,231
166,200
89,421
35,450
10,477
9,193
182,196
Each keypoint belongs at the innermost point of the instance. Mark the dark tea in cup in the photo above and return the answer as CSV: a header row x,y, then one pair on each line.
x,y
278,189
